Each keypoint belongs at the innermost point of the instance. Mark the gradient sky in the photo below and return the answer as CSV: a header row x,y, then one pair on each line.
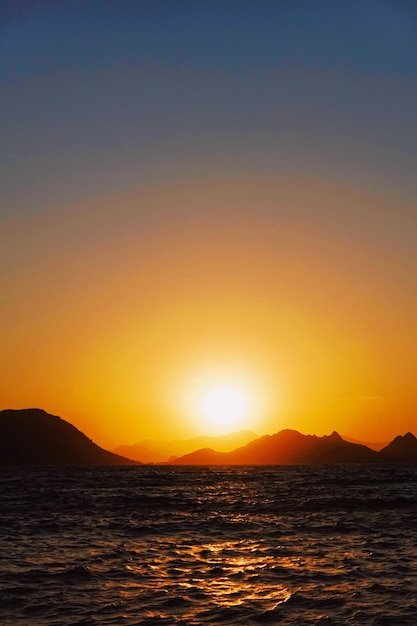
x,y
200,191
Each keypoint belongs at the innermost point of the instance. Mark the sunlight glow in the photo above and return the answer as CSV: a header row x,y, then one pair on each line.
x,y
224,406
223,398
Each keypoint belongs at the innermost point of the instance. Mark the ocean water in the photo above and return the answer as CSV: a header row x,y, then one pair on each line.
x,y
253,545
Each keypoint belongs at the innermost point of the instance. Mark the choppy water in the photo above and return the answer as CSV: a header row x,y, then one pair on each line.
x,y
160,545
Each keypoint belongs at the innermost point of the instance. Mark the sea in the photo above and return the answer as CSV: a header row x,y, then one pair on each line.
x,y
154,545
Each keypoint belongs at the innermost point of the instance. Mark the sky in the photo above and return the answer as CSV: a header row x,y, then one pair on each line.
x,y
209,195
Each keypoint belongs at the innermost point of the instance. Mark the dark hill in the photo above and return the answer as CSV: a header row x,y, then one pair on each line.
x,y
34,437
403,449
288,447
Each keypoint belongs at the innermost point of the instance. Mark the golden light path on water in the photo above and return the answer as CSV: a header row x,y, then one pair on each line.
x,y
239,585
228,573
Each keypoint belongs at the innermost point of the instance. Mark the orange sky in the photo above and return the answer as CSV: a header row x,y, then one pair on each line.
x,y
200,194
111,317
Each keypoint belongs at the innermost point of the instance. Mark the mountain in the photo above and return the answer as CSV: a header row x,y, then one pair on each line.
x,y
151,451
403,449
288,447
34,437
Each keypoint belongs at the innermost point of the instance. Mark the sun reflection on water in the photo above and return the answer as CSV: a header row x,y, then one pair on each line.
x,y
230,575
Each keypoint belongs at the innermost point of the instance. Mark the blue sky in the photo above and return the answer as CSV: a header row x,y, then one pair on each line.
x,y
100,94
372,36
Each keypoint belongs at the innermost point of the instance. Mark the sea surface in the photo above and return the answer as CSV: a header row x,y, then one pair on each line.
x,y
250,545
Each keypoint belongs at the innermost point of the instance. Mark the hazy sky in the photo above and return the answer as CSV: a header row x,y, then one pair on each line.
x,y
204,193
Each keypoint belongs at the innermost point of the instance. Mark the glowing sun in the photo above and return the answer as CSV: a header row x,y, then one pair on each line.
x,y
221,399
224,407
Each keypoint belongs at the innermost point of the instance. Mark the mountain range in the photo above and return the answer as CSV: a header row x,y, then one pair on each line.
x,y
289,447
34,437
153,451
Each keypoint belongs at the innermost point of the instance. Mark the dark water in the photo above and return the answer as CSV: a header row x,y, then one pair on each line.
x,y
157,545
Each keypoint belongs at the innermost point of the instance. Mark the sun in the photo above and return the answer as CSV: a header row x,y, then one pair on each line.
x,y
222,399
224,407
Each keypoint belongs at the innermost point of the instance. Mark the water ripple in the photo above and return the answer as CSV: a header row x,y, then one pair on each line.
x,y
152,545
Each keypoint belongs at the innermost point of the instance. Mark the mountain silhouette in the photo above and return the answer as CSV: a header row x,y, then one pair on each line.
x,y
152,451
403,449
287,447
34,437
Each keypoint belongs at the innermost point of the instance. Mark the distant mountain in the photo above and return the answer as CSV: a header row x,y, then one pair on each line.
x,y
288,447
403,449
34,437
374,445
152,451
